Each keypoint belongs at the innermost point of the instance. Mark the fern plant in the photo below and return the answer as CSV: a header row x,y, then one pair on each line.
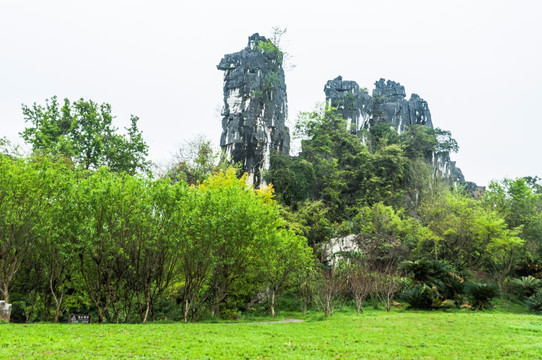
x,y
481,294
535,302
420,296
527,286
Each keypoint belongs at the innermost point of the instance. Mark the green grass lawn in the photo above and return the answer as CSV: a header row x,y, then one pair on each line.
x,y
374,334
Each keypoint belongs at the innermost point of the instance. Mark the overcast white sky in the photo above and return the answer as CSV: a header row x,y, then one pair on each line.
x,y
477,63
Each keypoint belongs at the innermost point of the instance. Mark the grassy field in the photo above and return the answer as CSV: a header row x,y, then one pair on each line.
x,y
399,334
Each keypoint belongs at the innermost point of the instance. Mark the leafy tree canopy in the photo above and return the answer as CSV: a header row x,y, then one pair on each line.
x,y
83,131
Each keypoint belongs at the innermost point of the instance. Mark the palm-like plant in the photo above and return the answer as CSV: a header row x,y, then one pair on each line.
x,y
429,272
481,294
535,302
437,275
530,265
527,285
420,296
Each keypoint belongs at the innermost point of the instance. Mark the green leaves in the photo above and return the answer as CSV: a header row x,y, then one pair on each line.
x,y
30,191
83,132
270,50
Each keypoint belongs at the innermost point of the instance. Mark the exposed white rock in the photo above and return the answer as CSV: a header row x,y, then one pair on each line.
x,y
5,311
333,250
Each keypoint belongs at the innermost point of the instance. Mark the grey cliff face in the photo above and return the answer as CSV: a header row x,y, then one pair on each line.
x,y
255,106
354,104
387,103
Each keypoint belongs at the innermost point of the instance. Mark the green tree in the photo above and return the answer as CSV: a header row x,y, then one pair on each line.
x,y
291,177
382,135
243,226
420,141
195,161
111,215
152,249
520,204
467,234
28,187
55,253
310,221
289,255
339,160
387,170
198,222
83,131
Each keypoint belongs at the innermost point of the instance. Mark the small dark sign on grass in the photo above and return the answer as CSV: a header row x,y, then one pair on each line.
x,y
80,318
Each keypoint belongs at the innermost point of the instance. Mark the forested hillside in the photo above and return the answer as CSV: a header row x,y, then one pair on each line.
x,y
368,210
199,242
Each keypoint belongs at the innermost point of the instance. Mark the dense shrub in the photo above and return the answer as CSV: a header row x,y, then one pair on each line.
x,y
481,294
529,266
435,283
526,286
420,296
535,302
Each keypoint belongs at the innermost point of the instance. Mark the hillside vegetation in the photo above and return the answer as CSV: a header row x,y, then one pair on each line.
x,y
87,229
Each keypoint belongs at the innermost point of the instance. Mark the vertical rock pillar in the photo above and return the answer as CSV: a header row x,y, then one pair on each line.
x,y
255,106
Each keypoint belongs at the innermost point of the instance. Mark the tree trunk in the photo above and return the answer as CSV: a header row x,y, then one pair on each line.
x,y
220,295
100,316
147,305
185,312
359,305
5,293
58,302
273,303
216,309
147,310
58,307
29,313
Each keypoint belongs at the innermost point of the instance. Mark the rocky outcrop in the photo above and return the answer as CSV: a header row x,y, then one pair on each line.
x,y
335,249
447,168
387,103
255,106
5,311
354,104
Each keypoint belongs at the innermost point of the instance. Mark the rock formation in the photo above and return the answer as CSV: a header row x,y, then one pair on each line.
x,y
334,249
5,311
388,103
354,104
255,106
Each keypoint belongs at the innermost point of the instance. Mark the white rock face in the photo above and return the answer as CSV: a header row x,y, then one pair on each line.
x,y
333,250
5,311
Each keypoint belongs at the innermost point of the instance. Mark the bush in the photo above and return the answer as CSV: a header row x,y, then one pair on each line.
x,y
530,266
420,296
526,286
437,276
453,287
534,303
481,294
